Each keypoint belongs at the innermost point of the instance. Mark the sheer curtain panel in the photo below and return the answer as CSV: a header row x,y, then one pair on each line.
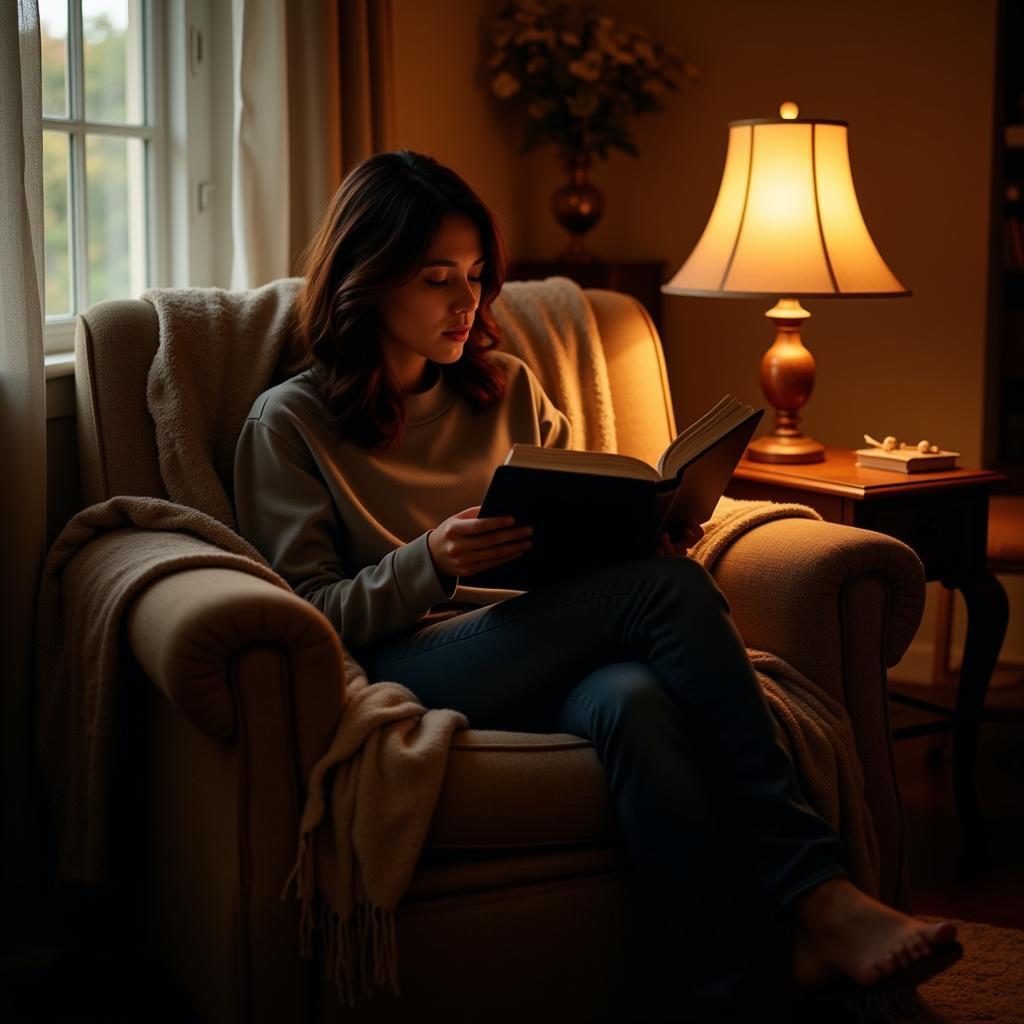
x,y
313,95
23,440
260,190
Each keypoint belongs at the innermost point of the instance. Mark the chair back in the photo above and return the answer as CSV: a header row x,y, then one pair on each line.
x,y
115,343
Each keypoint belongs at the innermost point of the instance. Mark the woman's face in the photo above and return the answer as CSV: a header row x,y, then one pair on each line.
x,y
429,317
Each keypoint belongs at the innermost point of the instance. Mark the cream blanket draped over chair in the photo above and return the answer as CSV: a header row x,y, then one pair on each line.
x,y
218,351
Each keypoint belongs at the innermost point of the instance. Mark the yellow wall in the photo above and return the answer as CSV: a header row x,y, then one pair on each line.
x,y
442,107
915,80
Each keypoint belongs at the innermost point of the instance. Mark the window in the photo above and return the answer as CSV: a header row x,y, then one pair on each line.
x,y
99,159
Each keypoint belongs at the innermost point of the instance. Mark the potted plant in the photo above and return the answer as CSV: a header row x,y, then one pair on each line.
x,y
581,78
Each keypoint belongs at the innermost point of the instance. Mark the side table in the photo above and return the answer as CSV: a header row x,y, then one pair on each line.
x,y
641,279
943,516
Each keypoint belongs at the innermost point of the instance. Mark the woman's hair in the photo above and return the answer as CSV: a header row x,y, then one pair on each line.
x,y
374,236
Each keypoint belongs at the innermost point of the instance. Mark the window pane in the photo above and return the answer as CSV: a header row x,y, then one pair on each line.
x,y
112,42
57,223
115,185
53,32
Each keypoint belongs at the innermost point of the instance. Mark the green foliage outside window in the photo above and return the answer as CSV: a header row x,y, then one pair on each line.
x,y
108,97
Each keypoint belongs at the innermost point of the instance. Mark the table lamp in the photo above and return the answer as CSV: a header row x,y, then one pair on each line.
x,y
786,223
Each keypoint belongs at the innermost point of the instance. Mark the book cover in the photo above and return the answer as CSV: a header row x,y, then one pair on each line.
x,y
585,520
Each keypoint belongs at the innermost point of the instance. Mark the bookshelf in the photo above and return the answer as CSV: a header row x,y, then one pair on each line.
x,y
1005,428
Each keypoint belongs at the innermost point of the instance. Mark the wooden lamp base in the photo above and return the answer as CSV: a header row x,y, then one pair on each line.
x,y
787,380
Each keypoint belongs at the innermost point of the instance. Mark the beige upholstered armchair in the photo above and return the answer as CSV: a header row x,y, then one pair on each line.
x,y
523,905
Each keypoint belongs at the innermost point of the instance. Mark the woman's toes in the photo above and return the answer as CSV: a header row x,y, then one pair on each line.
x,y
941,933
886,965
919,948
901,955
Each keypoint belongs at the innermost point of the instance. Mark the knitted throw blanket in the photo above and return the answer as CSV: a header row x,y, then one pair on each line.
x,y
218,351
550,326
105,556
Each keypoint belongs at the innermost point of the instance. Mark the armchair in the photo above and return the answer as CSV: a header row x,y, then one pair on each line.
x,y
523,905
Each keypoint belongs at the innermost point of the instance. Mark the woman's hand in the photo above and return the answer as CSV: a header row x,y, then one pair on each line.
x,y
678,549
464,545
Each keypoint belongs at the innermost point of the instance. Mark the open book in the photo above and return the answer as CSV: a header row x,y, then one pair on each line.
x,y
591,509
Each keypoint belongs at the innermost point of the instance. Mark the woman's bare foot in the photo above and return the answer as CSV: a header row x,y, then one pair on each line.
x,y
843,931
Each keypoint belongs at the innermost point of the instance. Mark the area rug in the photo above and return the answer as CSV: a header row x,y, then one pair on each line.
x,y
986,985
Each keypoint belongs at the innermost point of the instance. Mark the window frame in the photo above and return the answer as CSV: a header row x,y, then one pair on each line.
x,y
59,331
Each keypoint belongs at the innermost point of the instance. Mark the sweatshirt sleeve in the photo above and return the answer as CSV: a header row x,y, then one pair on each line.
x,y
555,431
285,510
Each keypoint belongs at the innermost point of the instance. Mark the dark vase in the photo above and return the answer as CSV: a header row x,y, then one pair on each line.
x,y
577,206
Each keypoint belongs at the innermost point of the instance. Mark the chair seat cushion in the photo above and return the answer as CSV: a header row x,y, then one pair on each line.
x,y
1006,532
506,790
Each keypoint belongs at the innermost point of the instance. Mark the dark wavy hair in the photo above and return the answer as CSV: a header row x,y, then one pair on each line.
x,y
375,235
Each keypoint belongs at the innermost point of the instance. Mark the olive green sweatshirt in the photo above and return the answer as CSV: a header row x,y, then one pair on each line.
x,y
347,526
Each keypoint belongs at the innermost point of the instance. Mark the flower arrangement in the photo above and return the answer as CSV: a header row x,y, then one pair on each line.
x,y
580,75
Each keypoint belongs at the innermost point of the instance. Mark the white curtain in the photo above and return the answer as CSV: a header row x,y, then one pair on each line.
x,y
260,172
311,97
22,431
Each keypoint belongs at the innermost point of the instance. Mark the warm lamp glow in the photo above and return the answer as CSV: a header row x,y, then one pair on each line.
x,y
786,221
786,225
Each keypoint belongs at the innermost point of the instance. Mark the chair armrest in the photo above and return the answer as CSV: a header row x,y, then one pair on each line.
x,y
190,629
795,587
238,659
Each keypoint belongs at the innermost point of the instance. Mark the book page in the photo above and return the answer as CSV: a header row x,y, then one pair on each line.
x,y
718,422
691,440
695,492
570,460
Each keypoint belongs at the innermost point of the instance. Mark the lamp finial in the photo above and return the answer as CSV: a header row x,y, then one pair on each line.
x,y
789,111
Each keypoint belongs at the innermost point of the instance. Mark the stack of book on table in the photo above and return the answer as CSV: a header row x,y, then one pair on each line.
x,y
906,460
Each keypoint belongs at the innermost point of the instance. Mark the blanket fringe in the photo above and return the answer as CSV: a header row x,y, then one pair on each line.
x,y
364,942
302,873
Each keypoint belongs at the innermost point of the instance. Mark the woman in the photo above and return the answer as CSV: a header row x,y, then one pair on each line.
x,y
348,478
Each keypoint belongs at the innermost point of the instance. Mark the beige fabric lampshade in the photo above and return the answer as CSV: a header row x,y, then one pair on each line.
x,y
786,221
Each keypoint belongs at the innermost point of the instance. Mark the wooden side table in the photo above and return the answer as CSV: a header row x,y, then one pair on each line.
x,y
943,516
641,279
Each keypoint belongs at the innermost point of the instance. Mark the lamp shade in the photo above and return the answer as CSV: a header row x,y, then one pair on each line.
x,y
786,221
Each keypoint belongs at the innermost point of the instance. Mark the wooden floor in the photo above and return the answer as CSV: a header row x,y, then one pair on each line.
x,y
940,884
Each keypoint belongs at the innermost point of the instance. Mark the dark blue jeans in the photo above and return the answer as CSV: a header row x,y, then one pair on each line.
x,y
643,659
